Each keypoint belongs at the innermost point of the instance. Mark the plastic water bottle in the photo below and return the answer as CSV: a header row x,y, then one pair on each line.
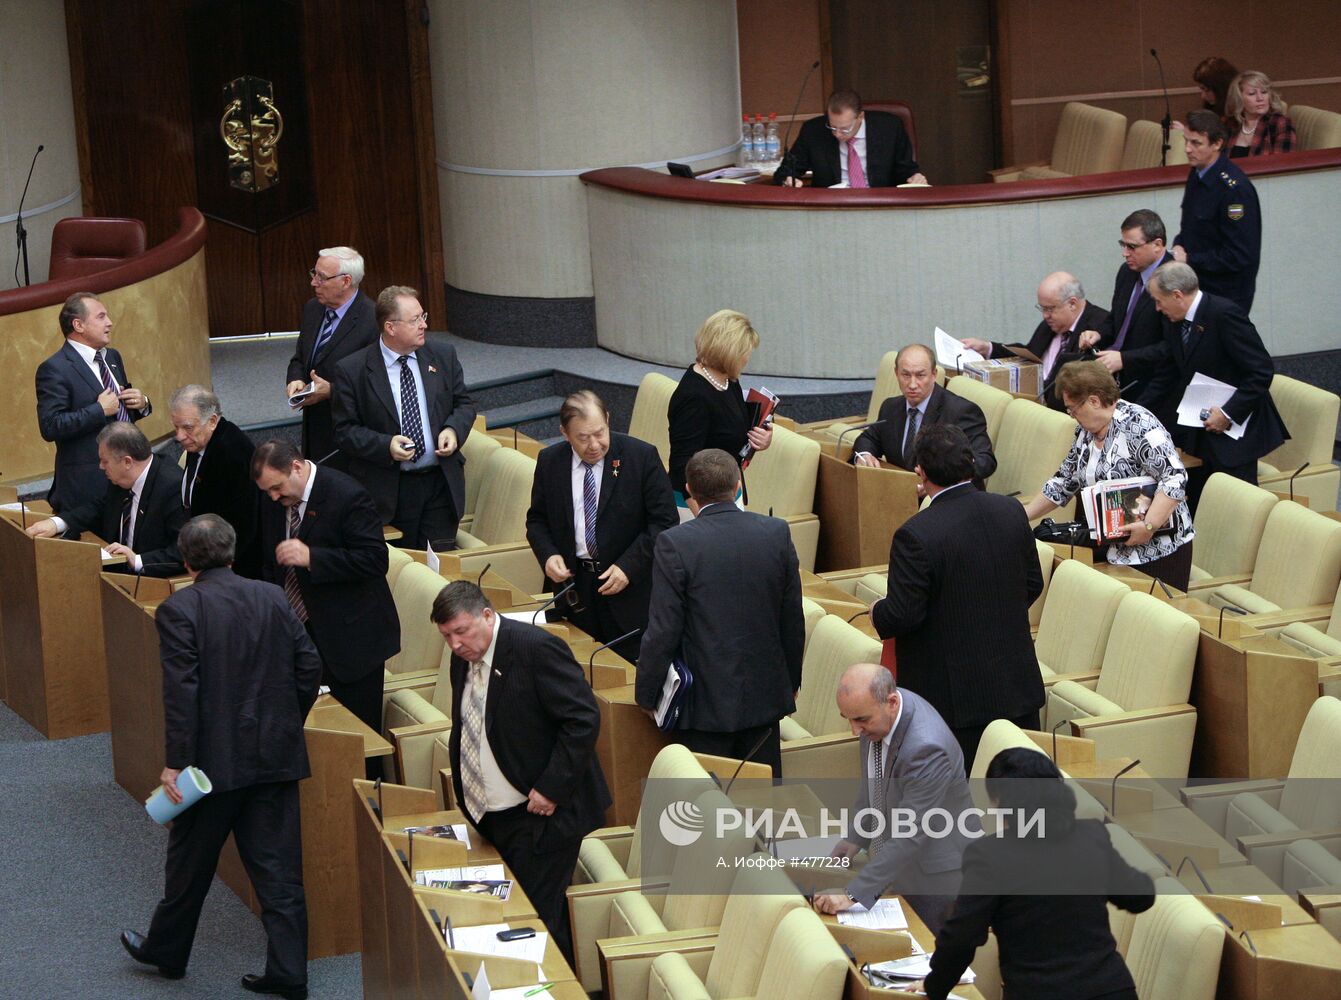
x,y
760,141
746,155
774,140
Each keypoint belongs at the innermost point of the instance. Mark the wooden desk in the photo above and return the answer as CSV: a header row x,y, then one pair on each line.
x,y
1283,963
55,666
859,508
1179,833
625,746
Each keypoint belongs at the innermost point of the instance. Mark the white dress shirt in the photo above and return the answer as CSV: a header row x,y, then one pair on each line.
x,y
189,485
499,794
90,357
579,512
391,359
136,491
859,140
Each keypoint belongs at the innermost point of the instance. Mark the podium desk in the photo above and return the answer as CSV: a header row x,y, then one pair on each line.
x,y
859,509
55,669
337,745
625,747
1280,963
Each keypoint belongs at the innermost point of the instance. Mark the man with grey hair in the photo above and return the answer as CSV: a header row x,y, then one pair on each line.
x,y
910,761
139,512
1212,336
1056,340
217,478
337,321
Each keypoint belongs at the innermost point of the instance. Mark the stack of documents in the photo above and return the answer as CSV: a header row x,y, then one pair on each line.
x,y
1204,392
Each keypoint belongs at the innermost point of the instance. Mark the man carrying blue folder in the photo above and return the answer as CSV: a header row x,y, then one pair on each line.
x,y
239,676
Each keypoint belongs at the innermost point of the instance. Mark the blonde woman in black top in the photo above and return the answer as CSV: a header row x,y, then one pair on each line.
x,y
708,408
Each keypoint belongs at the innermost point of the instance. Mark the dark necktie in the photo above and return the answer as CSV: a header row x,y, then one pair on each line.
x,y
1126,320
914,418
878,796
411,425
1186,334
291,590
189,479
127,506
109,383
589,498
323,337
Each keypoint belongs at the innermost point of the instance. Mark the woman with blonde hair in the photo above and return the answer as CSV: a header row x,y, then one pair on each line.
x,y
708,408
1255,117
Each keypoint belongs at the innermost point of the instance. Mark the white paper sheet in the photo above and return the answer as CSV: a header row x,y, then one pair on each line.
x,y
526,617
951,354
431,557
483,940
470,873
1202,393
886,915
481,989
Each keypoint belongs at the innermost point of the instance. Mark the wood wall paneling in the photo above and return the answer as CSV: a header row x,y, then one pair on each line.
x,y
779,40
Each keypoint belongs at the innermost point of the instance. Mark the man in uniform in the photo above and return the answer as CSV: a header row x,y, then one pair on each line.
x,y
1220,234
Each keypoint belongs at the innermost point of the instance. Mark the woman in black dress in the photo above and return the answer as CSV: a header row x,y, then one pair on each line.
x,y
707,409
1053,946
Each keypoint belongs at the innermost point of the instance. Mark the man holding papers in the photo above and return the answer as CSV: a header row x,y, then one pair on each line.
x,y
1212,337
239,676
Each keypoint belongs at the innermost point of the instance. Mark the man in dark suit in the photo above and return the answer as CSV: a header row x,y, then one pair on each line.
x,y
1212,336
909,761
598,502
321,540
922,404
962,574
1220,233
217,478
1130,339
1056,340
726,600
140,510
337,321
408,456
81,389
523,746
239,676
850,146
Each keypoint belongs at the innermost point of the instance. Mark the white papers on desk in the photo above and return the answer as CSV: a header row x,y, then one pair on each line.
x,y
737,174
108,557
886,915
1202,393
525,617
483,940
470,873
431,557
296,400
914,967
480,989
17,507
952,353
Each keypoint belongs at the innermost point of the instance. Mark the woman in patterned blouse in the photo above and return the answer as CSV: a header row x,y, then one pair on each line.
x,y
1255,117
1120,440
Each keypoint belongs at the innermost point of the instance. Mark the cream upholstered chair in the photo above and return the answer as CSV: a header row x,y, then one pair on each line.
x,y
1030,447
476,451
1074,629
1229,523
650,421
1173,951
397,560
817,741
886,387
1316,128
416,708
782,480
420,642
1144,139
694,897
497,534
1298,564
1319,640
1137,707
1002,734
870,587
1089,141
991,400
1310,413
1264,817
813,612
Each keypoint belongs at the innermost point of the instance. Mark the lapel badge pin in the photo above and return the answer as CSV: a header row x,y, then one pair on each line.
x,y
614,468
432,369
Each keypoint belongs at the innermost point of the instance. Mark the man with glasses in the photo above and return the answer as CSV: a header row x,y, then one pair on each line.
x,y
1056,340
337,321
852,148
401,414
1130,340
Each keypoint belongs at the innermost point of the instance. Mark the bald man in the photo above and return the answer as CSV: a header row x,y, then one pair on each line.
x,y
1056,340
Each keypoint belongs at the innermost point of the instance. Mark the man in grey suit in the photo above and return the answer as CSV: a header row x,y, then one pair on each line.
x,y
726,600
910,762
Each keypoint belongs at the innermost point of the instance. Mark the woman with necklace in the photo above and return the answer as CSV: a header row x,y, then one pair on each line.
x,y
708,409
1120,440
1255,117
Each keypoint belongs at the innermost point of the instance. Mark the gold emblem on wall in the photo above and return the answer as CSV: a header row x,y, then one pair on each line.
x,y
251,128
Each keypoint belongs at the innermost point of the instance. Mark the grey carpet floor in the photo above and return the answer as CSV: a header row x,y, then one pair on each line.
x,y
80,861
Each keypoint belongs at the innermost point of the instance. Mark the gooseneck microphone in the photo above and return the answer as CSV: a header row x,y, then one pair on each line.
x,y
787,140
591,660
557,594
768,731
1167,121
838,448
20,233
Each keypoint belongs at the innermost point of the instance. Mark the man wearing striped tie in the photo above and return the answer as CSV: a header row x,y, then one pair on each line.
x,y
337,321
81,389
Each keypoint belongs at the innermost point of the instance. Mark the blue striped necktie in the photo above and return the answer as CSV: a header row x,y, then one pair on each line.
x,y
589,496
324,337
109,384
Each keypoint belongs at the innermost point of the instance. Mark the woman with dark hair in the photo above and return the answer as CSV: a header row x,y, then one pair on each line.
x,y
1055,945
1213,76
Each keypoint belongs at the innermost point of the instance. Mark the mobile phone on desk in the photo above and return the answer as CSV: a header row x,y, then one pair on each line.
x,y
516,934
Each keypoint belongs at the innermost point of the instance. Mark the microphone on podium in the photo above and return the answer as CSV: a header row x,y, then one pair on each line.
x,y
557,594
591,660
838,448
787,140
749,756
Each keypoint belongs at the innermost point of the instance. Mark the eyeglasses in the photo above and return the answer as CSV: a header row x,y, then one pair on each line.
x,y
844,129
1073,408
415,320
321,279
1048,310
1123,244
